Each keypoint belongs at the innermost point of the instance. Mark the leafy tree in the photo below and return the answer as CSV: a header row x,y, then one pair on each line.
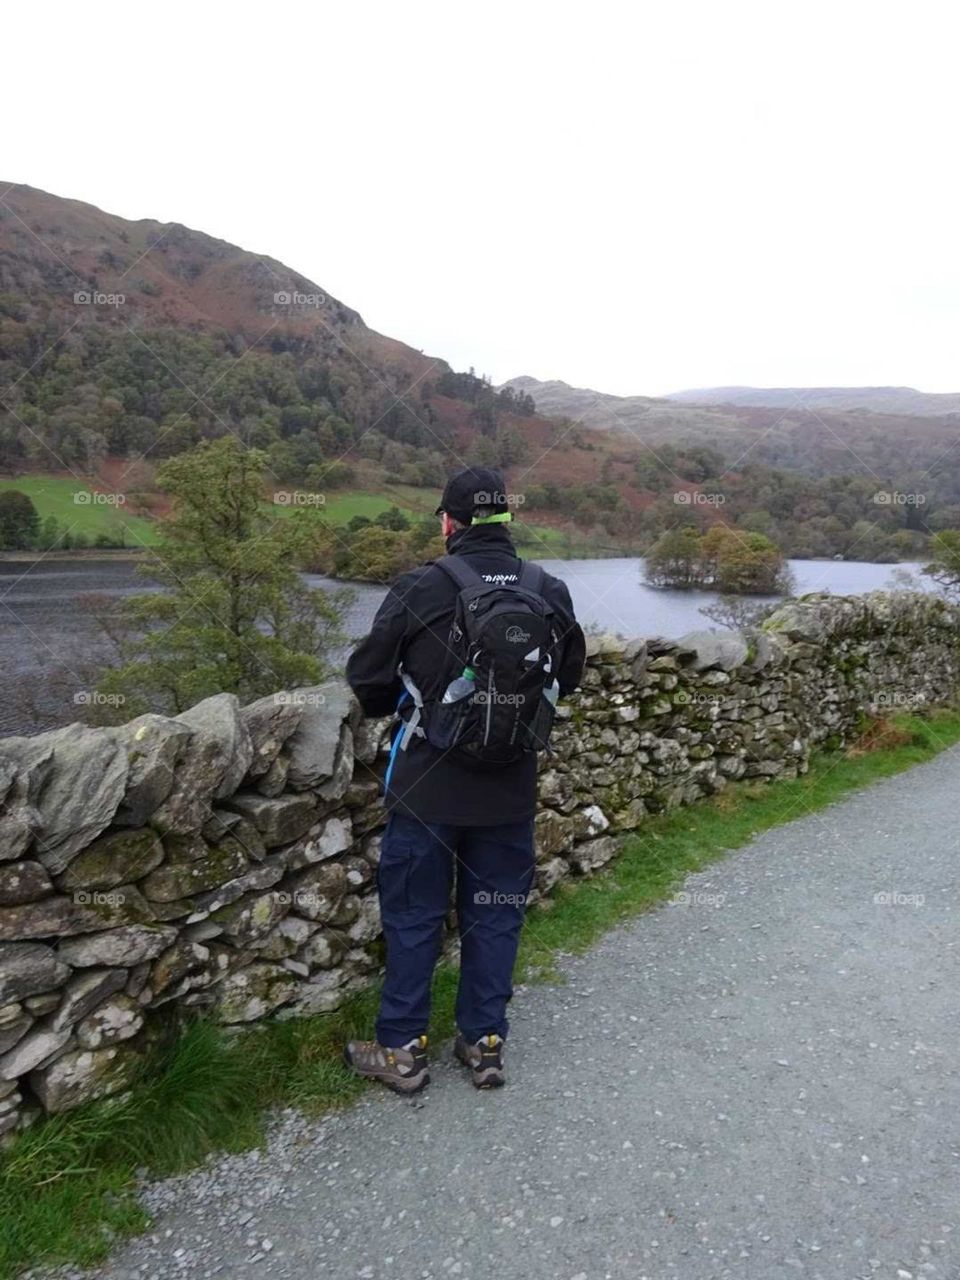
x,y
757,522
235,615
674,560
331,475
482,452
425,538
944,568
19,520
50,534
393,519
738,563
946,518
510,448
375,554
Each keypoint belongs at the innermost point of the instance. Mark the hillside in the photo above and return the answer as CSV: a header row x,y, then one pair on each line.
x,y
800,437
52,248
125,343
902,400
134,340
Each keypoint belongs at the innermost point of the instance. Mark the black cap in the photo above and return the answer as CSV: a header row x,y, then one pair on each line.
x,y
476,491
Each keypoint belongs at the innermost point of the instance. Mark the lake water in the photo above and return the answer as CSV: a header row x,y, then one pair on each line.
x,y
611,594
44,629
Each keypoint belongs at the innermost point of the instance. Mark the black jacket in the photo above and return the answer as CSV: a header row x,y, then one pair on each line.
x,y
412,627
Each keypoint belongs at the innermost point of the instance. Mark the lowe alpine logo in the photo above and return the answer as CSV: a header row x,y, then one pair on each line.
x,y
517,635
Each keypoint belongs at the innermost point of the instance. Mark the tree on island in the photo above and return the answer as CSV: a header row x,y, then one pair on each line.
x,y
674,560
731,561
236,616
743,563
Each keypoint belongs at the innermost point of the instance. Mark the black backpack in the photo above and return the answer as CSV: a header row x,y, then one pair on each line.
x,y
505,634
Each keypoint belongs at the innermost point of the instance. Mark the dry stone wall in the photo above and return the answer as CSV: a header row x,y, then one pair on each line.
x,y
225,859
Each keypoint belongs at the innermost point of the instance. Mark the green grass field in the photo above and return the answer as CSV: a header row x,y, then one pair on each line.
x,y
67,1185
80,510
536,540
58,496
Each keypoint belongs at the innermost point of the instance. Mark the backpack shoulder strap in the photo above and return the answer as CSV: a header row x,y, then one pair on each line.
x,y
456,567
532,577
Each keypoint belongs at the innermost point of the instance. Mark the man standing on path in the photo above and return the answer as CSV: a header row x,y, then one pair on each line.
x,y
472,650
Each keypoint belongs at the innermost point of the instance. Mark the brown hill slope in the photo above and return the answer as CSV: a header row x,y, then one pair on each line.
x,y
52,249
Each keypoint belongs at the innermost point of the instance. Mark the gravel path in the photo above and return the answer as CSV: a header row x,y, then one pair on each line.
x,y
759,1082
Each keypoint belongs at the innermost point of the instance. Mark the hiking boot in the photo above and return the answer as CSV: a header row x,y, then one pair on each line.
x,y
405,1070
485,1060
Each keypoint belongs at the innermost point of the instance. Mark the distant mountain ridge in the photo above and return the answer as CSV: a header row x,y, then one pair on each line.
x,y
799,432
561,399
875,399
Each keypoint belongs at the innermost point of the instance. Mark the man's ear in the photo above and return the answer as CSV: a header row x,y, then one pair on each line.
x,y
447,524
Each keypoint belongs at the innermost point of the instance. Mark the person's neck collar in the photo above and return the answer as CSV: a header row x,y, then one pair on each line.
x,y
477,533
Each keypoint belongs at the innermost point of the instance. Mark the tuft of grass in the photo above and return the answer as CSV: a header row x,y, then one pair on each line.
x,y
67,1187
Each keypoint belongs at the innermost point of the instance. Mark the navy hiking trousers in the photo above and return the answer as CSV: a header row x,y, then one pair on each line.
x,y
419,864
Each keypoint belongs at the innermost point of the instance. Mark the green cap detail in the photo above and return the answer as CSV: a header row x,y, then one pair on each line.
x,y
469,673
500,517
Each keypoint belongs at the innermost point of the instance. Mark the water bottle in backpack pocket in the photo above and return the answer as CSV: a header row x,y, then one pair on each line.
x,y
450,719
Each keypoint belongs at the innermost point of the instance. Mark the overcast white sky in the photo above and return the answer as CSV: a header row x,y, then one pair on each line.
x,y
634,197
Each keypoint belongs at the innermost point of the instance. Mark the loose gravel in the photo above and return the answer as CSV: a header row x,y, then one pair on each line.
x,y
758,1080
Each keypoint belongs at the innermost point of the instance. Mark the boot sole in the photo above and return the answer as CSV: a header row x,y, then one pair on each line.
x,y
496,1083
390,1082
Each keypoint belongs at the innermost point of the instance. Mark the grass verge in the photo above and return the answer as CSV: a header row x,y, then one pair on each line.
x,y
67,1186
